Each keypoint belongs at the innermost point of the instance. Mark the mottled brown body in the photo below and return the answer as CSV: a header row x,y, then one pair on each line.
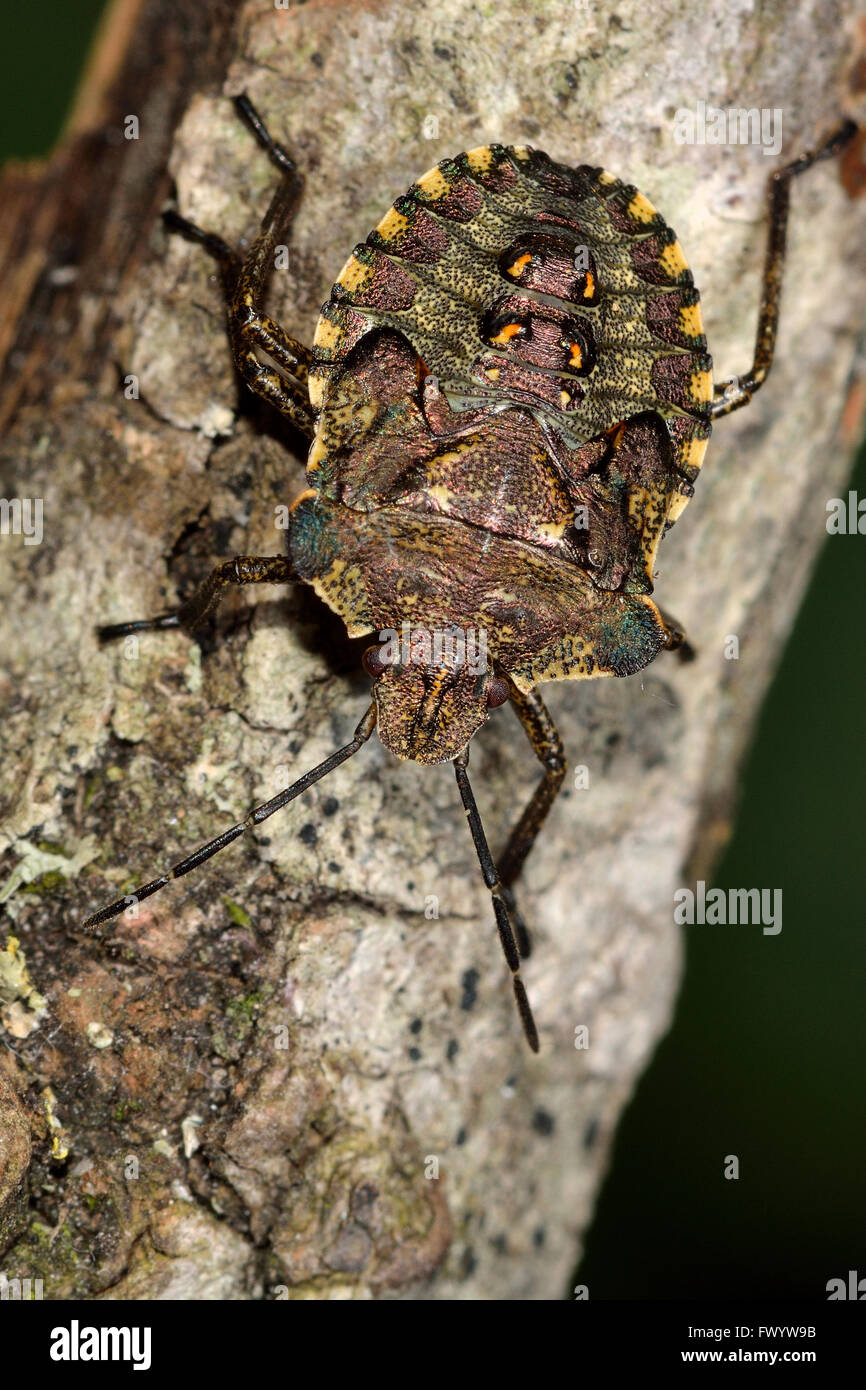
x,y
513,394
479,534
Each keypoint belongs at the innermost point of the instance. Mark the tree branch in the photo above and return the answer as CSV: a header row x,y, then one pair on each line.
x,y
286,1075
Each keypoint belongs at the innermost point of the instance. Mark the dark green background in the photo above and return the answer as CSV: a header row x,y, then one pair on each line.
x,y
766,1059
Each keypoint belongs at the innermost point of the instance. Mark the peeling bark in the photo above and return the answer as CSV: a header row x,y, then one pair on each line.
x,y
244,1091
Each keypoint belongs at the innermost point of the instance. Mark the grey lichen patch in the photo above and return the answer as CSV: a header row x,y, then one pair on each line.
x,y
132,716
39,867
22,1007
98,1035
190,1127
212,773
277,674
192,674
190,1255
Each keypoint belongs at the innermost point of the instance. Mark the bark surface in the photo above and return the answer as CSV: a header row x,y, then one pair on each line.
x,y
284,1077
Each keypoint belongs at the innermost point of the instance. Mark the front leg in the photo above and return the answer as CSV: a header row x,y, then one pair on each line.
x,y
243,569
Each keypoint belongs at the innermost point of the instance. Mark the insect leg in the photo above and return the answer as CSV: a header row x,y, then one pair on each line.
x,y
547,745
244,280
289,396
226,258
243,569
491,878
251,328
255,817
738,392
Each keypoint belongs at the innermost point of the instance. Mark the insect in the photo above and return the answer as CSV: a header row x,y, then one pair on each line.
x,y
508,399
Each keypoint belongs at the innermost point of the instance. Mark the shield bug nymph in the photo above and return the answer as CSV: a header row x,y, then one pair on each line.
x,y
508,399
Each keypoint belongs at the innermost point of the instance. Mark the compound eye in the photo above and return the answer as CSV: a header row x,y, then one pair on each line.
x,y
374,663
497,691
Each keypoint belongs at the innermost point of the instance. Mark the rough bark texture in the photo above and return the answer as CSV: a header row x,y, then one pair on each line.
x,y
241,1092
